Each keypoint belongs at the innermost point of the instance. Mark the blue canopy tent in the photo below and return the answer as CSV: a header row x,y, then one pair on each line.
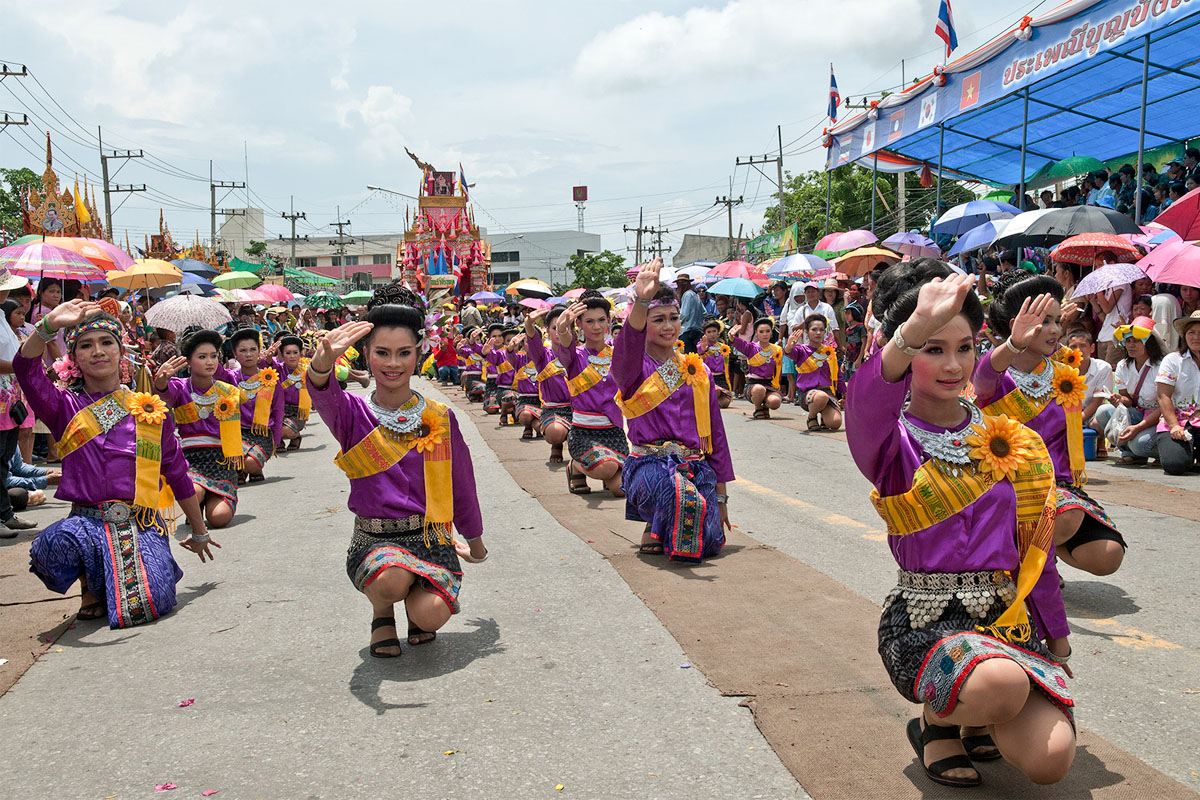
x,y
1103,78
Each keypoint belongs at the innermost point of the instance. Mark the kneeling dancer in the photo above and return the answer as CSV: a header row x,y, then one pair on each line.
x,y
411,479
969,503
118,449
262,403
554,422
764,360
817,381
674,479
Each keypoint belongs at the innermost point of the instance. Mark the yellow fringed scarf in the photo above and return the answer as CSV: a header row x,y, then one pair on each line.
x,y
379,451
263,396
772,352
590,376
298,380
228,413
936,496
814,363
655,389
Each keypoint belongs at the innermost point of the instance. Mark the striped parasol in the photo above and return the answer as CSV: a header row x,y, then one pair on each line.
x,y
39,260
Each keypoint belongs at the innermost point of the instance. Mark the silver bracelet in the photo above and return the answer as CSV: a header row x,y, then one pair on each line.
x,y
1060,659
1009,344
201,538
640,302
722,499
319,373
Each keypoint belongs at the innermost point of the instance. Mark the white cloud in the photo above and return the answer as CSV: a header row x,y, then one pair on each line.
x,y
742,38
384,116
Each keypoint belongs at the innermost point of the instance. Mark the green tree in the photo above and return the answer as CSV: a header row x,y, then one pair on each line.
x,y
256,249
850,202
594,270
13,183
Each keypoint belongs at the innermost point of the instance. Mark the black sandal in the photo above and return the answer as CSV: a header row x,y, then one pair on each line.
x,y
576,484
814,424
761,413
295,443
383,622
983,742
556,451
919,737
415,633
527,435
259,478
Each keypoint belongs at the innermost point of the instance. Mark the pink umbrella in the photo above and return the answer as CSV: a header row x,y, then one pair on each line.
x,y
38,260
534,303
732,269
847,241
1183,216
573,294
1175,261
277,292
252,296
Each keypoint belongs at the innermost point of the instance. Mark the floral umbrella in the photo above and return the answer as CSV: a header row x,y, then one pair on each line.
x,y
1110,276
185,311
1084,248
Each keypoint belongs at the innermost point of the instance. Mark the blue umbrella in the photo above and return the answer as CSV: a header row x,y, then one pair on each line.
x,y
198,280
736,287
196,267
486,297
800,265
977,237
965,216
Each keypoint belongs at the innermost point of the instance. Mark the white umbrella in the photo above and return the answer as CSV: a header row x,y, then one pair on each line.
x,y
1012,228
185,311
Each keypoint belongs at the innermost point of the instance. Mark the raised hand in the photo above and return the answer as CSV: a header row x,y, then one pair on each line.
x,y
794,340
335,343
1027,324
167,371
938,302
71,313
647,282
565,328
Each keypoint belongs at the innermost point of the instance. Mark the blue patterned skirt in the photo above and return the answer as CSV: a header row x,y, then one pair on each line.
x,y
679,499
378,544
130,567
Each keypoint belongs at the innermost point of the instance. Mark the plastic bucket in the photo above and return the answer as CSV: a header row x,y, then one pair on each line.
x,y
1089,444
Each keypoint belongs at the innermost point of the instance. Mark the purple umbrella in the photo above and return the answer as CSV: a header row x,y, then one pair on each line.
x,y
913,245
1110,276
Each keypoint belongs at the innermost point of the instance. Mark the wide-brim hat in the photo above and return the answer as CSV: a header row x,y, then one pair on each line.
x,y
1182,323
684,277
831,283
8,281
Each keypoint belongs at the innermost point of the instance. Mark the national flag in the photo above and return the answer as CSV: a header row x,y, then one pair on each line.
x,y
835,98
869,138
462,179
928,109
944,29
843,143
81,212
970,90
897,127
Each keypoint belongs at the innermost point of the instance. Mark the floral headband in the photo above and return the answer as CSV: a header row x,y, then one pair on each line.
x,y
672,303
1125,332
96,322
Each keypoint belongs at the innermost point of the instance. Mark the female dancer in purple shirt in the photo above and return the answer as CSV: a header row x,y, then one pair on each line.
x,y
954,486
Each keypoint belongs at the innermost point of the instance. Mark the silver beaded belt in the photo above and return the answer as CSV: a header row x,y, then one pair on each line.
x,y
928,594
376,526
666,449
116,512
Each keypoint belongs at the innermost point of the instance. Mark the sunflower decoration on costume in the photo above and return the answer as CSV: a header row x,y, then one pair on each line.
x,y
679,345
692,368
1000,446
268,376
227,407
1069,387
724,350
1070,357
827,351
303,368
433,432
146,407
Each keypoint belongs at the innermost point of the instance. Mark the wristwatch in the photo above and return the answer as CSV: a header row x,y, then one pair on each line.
x,y
898,340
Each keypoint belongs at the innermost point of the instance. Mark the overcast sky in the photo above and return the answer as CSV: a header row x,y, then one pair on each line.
x,y
645,107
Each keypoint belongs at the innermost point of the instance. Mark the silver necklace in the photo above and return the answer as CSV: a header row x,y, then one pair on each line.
x,y
1033,384
400,421
205,402
948,449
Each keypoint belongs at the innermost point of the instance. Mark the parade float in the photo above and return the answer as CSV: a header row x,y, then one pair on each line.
x,y
442,249
51,213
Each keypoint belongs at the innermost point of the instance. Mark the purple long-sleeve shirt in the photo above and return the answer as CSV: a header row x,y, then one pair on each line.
x,y
554,390
598,400
526,372
497,357
819,378
179,393
399,491
749,350
1051,425
673,418
472,358
106,467
712,357
275,422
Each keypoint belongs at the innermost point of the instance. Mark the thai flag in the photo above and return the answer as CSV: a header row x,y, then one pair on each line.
x,y
835,98
462,179
945,27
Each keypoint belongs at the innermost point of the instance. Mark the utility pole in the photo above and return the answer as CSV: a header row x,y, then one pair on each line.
x,y
654,234
658,234
293,217
637,258
341,241
12,120
213,186
104,157
729,203
754,161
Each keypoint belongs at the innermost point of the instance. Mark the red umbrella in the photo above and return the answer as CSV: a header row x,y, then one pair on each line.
x,y
1183,216
277,292
1084,248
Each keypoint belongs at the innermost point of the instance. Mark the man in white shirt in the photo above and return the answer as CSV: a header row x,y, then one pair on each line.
x,y
10,523
1099,377
812,304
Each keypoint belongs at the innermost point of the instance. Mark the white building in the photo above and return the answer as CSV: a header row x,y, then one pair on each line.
x,y
538,254
240,226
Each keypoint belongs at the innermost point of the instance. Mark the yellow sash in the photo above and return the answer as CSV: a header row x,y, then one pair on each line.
x,y
552,369
655,389
589,377
1019,406
264,396
771,352
305,404
812,364
528,370
379,451
228,413
150,494
936,496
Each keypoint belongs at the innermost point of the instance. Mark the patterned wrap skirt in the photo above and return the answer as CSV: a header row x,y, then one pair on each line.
x,y
490,402
529,404
810,394
764,382
131,567
560,414
474,385
260,448
721,383
507,397
677,494
1096,525
292,418
208,467
378,544
929,663
592,447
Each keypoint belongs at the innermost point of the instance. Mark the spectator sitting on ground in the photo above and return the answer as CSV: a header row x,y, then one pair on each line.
x,y
27,484
1098,375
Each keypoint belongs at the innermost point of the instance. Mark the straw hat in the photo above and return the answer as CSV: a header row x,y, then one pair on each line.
x,y
831,283
8,281
1182,323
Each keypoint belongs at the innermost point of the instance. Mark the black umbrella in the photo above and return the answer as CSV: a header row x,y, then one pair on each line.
x,y
1059,224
